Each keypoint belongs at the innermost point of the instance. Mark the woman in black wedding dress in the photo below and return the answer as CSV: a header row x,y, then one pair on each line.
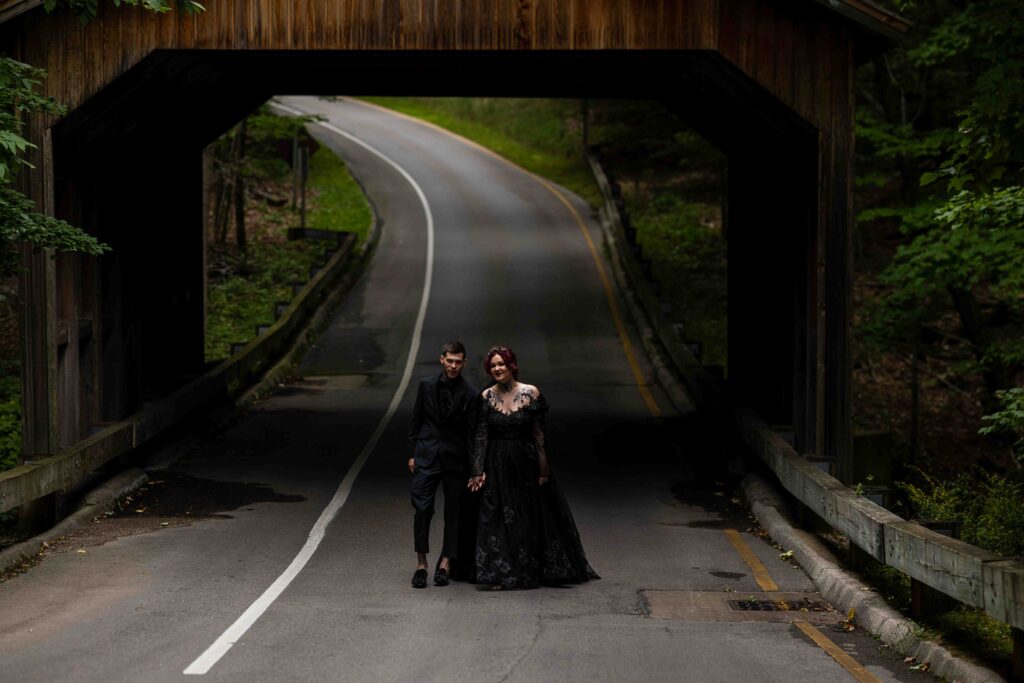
x,y
526,534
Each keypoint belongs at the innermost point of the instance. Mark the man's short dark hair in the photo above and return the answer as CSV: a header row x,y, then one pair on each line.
x,y
454,348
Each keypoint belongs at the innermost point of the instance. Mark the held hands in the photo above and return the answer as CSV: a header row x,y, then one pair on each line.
x,y
476,483
412,465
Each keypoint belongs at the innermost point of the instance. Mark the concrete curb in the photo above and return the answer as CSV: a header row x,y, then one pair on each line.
x,y
845,591
96,502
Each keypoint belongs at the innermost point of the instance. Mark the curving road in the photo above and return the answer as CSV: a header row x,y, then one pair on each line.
x,y
510,264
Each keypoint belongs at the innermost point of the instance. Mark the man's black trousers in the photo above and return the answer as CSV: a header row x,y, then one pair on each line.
x,y
425,481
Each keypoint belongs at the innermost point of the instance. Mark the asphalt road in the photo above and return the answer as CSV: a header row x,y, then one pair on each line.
x,y
510,265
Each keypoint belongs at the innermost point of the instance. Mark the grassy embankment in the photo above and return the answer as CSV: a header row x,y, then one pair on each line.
x,y
671,196
243,290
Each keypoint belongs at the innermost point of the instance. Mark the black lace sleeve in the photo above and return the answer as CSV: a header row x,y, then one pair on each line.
x,y
541,407
479,439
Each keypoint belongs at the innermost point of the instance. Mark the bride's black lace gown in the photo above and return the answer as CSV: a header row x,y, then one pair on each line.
x,y
526,534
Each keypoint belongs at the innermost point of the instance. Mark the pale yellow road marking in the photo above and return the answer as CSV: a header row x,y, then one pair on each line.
x,y
613,303
620,327
760,572
837,653
769,586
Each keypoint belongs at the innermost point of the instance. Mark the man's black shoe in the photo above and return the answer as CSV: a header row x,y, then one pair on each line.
x,y
419,579
440,577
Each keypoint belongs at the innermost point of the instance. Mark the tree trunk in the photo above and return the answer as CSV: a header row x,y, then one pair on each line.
x,y
240,188
994,372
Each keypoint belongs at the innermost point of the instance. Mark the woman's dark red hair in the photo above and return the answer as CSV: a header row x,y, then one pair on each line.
x,y
507,355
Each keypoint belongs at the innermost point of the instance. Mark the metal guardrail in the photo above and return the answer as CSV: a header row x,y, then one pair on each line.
x,y
969,574
39,478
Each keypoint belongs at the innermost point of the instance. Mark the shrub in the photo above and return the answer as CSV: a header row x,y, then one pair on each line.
x,y
10,419
988,508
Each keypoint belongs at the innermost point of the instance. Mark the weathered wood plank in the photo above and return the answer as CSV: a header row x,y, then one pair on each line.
x,y
946,564
862,521
767,37
745,31
1004,591
43,476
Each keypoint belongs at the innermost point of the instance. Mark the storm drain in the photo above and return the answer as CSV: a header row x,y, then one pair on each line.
x,y
779,607
754,605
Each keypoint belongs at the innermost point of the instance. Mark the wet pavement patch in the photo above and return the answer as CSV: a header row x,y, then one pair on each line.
x,y
169,499
727,575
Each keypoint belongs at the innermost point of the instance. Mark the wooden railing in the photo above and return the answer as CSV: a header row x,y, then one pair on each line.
x,y
59,472
969,574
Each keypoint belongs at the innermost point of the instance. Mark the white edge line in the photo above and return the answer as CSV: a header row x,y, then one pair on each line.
x,y
233,634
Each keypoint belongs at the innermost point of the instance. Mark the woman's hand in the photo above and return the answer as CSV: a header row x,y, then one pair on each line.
x,y
476,483
543,479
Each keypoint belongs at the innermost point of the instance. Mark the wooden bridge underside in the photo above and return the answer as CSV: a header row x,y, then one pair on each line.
x,y
769,81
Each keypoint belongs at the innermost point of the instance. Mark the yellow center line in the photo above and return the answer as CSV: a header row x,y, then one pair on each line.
x,y
760,571
613,303
820,639
837,653
620,327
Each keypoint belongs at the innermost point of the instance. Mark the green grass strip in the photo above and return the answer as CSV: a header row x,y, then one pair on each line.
x,y
542,136
237,305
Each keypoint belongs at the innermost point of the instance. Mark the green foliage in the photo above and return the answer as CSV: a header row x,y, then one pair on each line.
x,y
543,136
20,222
1008,422
263,275
238,304
988,507
340,204
19,219
689,262
264,132
10,417
897,141
951,107
988,150
18,97
978,634
86,9
975,243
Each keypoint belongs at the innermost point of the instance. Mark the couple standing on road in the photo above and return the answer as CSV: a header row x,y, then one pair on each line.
x,y
506,523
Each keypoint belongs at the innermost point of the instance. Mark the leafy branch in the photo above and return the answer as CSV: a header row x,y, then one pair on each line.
x,y
86,9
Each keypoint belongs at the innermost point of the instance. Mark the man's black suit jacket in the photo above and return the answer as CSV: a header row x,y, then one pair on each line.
x,y
449,437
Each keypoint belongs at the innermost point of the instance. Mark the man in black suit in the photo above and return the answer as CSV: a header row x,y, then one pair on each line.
x,y
440,438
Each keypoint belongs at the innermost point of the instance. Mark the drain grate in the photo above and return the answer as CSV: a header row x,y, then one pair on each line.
x,y
755,605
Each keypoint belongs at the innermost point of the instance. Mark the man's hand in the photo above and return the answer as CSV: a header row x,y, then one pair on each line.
x,y
476,483
412,465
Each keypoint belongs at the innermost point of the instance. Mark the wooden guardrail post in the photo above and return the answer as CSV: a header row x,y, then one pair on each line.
x,y
925,601
1017,671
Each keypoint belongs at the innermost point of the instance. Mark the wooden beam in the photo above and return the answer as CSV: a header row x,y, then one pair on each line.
x,y
38,292
12,8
